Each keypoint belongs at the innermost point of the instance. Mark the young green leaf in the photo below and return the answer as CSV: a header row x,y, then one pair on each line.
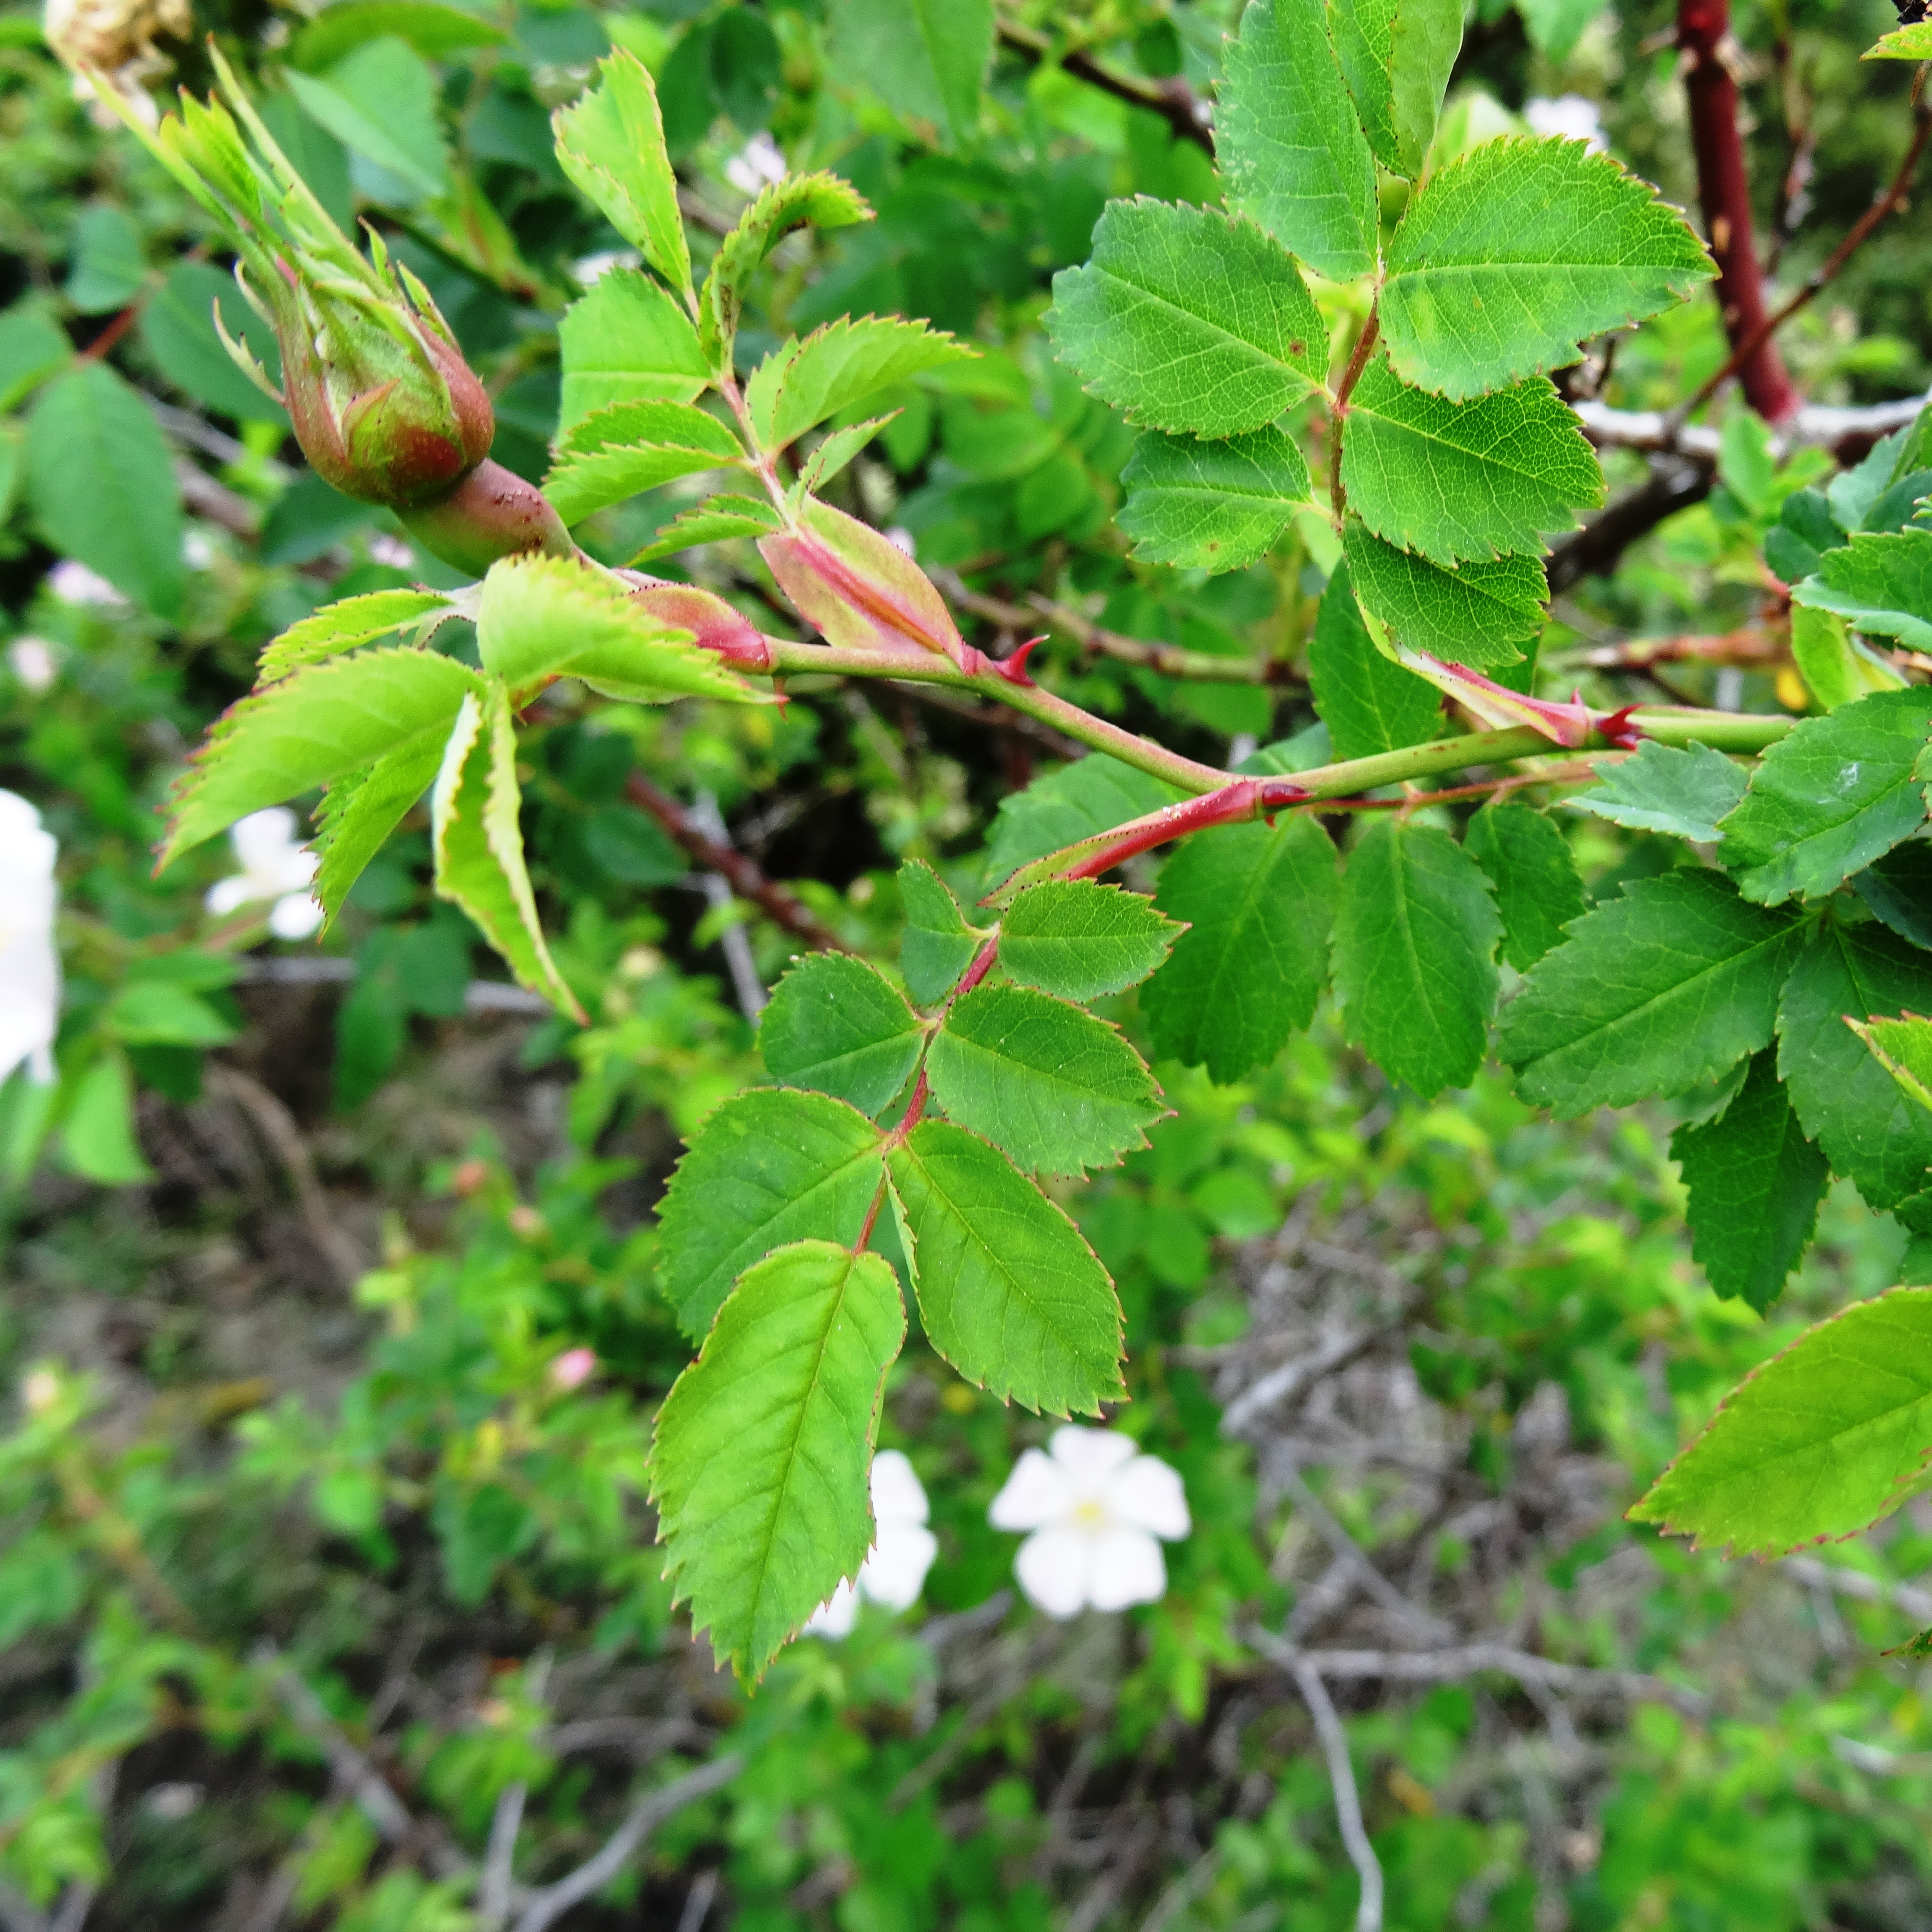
x,y
1652,993
1425,36
359,811
479,843
1881,585
718,519
1898,890
1288,140
632,447
1912,42
1512,255
1078,939
1058,1090
855,585
317,726
801,383
1211,505
1189,321
835,1025
1755,1183
101,483
1479,478
1416,932
765,1168
1530,863
1837,793
1079,801
1818,1443
816,200
625,339
1476,614
1684,790
611,143
1258,901
1848,1102
1008,1291
762,1450
539,617
1903,1047
1836,665
1369,704
341,626
938,945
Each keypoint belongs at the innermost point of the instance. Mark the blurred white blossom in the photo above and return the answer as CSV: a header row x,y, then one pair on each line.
x,y
901,538
29,965
1570,115
32,662
197,551
594,268
273,867
1095,1507
392,551
894,1573
75,583
756,166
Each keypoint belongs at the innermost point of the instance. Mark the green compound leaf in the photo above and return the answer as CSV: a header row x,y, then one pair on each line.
x,y
322,723
1512,255
539,617
1755,1183
1818,1443
479,844
1288,140
1211,505
339,627
1425,36
1826,801
631,447
763,1450
765,1168
1058,1090
1881,585
1008,1291
1903,1047
1476,614
1683,790
1364,31
1651,993
1369,704
626,340
1849,1104
1080,940
1898,890
1416,933
359,811
801,383
1080,800
938,945
611,145
1479,478
717,520
835,1025
816,200
1258,901
1529,862
100,484
1189,321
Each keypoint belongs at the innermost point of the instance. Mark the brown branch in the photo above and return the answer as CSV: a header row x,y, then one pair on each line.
x,y
782,907
1594,551
1723,187
1888,203
1752,645
1173,101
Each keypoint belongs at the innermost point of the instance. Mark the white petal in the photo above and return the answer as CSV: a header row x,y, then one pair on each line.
x,y
230,894
835,1616
1127,1567
1148,1494
1035,1493
1054,1569
894,1573
897,1495
297,917
1087,1455
261,839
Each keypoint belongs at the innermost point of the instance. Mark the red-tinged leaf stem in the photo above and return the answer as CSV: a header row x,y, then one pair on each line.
x,y
1338,414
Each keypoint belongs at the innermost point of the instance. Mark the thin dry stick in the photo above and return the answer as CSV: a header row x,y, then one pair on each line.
x,y
499,1859
1347,1550
1348,1800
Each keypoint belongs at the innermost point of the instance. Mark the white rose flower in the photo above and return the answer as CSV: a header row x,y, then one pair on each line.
x,y
1570,115
756,166
74,583
32,661
29,965
273,867
894,1573
1095,1506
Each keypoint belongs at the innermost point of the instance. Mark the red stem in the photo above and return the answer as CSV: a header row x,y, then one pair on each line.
x,y
1723,187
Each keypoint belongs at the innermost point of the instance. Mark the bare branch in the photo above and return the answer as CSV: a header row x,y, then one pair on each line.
x,y
19,1913
1347,1551
1173,101
1917,1604
493,1895
1342,1778
746,983
544,1907
1280,1384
